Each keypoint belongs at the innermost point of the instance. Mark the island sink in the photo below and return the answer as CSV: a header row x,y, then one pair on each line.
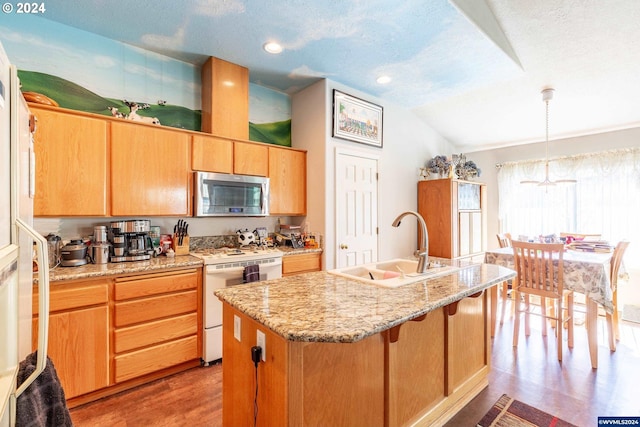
x,y
393,273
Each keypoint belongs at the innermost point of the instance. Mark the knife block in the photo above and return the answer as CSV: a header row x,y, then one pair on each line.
x,y
182,249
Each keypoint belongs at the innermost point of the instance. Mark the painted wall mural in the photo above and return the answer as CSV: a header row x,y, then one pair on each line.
x,y
86,72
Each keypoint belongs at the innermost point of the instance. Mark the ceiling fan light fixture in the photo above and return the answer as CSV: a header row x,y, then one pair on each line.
x,y
547,95
272,47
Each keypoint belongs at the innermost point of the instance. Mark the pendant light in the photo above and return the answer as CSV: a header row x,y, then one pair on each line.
x,y
547,95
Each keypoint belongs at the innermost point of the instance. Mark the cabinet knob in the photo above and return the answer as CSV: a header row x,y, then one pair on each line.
x,y
343,246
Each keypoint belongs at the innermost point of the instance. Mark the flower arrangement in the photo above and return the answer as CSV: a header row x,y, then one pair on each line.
x,y
464,168
439,165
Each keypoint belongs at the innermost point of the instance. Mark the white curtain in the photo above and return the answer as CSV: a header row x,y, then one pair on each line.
x,y
605,200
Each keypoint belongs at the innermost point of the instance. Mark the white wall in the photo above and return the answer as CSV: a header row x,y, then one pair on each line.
x,y
407,144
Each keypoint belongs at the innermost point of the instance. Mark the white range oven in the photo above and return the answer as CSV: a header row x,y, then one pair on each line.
x,y
223,268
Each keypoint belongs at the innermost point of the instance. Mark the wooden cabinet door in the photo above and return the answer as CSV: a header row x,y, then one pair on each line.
x,y
464,231
78,334
467,344
435,201
250,159
211,154
288,181
79,348
71,164
477,240
150,171
303,263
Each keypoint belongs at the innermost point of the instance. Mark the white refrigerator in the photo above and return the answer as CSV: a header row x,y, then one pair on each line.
x,y
17,237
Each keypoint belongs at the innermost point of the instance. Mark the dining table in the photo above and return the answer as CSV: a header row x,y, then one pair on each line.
x,y
583,272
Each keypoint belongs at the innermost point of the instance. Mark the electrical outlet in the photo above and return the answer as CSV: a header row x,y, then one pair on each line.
x,y
261,342
237,325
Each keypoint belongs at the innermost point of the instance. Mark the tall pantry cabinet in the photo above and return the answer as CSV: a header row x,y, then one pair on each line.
x,y
456,217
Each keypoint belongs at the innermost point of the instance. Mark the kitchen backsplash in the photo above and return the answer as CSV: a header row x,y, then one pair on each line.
x,y
70,228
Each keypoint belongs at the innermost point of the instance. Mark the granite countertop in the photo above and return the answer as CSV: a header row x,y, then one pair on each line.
x,y
119,268
288,250
323,307
155,264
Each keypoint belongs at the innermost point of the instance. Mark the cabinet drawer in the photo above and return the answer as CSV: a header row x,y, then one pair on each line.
x,y
143,310
155,284
155,332
76,295
155,358
293,264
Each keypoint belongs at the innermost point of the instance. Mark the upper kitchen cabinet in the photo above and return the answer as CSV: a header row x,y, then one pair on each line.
x,y
250,159
288,181
225,99
455,213
212,154
71,164
150,171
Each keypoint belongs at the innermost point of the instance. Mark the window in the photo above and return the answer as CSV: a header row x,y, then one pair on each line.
x,y
605,200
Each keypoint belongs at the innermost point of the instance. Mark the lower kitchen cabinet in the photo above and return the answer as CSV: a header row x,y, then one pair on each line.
x,y
156,322
78,334
301,263
468,341
110,334
420,372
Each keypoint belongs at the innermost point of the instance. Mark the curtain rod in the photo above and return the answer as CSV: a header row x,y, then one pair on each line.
x,y
632,150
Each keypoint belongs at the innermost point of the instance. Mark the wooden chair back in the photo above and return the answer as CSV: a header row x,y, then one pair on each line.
x,y
539,268
616,261
504,239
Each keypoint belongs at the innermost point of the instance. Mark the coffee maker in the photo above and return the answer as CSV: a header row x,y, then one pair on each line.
x,y
130,240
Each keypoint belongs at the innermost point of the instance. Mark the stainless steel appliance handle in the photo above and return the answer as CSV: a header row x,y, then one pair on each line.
x,y
43,303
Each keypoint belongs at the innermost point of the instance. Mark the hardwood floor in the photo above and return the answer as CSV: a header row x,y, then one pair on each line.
x,y
530,373
190,398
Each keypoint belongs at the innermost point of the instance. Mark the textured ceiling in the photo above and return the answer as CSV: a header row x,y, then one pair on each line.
x,y
473,70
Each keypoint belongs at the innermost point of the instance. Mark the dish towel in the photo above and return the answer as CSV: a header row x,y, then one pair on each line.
x,y
251,273
43,403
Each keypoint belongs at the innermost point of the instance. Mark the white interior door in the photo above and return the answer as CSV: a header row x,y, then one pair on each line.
x,y
356,209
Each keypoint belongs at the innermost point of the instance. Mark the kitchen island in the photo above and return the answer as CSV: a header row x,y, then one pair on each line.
x,y
340,351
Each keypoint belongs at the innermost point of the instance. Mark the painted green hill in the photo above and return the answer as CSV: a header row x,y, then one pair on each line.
x,y
75,97
278,133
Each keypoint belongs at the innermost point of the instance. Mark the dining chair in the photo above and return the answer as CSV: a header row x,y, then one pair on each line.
x,y
612,318
504,240
539,272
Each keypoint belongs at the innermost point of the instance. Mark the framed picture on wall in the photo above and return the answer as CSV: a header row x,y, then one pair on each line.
x,y
356,120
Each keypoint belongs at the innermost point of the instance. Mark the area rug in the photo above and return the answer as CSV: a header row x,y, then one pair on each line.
x,y
508,412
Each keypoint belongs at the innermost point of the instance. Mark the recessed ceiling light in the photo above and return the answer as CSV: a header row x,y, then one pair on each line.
x,y
272,47
383,80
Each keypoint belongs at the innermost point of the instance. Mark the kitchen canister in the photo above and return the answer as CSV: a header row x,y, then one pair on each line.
x,y
99,234
100,253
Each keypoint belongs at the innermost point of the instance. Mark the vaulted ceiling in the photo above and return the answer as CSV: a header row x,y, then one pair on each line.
x,y
472,69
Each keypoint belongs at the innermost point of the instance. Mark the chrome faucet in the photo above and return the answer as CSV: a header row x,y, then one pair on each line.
x,y
423,252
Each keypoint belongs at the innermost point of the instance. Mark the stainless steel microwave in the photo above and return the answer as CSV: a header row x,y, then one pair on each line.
x,y
220,194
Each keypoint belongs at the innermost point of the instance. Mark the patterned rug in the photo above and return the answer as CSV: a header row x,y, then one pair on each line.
x,y
508,412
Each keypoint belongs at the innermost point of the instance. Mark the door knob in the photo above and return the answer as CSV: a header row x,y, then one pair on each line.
x,y
343,246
